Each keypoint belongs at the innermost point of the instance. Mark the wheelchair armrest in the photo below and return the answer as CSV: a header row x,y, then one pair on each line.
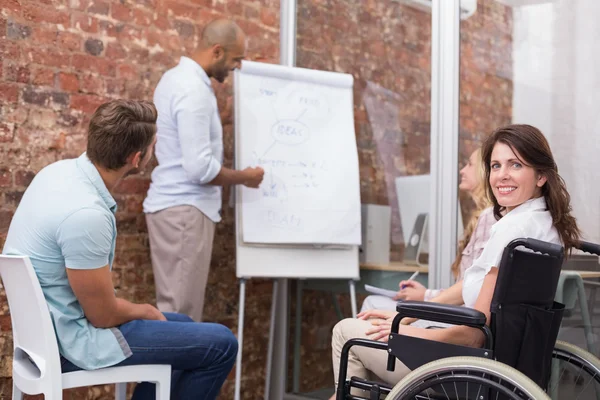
x,y
437,312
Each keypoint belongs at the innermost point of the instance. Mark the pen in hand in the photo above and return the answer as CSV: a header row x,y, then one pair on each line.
x,y
413,276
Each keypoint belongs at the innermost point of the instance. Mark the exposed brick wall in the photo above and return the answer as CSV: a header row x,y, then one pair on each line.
x,y
61,58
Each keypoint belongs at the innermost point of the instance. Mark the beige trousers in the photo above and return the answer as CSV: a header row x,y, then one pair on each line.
x,y
363,362
181,240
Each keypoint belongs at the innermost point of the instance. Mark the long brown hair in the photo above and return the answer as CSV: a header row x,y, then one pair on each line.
x,y
480,197
533,150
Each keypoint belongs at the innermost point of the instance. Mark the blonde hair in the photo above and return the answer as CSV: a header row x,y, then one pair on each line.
x,y
482,201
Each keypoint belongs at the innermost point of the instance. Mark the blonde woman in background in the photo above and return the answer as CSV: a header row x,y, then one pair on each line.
x,y
477,232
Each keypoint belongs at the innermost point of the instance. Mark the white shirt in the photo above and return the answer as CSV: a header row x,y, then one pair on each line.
x,y
529,220
189,146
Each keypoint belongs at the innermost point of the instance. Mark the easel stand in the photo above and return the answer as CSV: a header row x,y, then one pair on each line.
x,y
274,382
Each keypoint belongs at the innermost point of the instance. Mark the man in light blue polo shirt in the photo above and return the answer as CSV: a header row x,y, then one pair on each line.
x,y
65,223
184,199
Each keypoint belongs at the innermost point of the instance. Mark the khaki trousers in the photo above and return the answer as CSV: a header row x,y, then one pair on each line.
x,y
363,362
181,240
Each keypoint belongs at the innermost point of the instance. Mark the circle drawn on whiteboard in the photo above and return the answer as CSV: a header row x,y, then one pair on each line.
x,y
414,240
310,105
290,132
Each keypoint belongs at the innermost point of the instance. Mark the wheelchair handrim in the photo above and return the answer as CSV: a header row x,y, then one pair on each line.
x,y
475,365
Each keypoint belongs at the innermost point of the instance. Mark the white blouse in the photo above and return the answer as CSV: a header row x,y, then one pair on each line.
x,y
529,220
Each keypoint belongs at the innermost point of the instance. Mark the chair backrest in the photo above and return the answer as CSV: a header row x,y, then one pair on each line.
x,y
524,317
36,361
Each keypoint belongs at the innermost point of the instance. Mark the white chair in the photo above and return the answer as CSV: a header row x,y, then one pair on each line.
x,y
36,361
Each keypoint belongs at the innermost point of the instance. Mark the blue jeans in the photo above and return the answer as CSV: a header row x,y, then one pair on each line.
x,y
200,354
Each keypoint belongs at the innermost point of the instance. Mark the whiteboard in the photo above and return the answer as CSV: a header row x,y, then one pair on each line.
x,y
298,125
293,254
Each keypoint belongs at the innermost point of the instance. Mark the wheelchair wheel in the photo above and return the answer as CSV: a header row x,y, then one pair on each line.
x,y
470,378
578,374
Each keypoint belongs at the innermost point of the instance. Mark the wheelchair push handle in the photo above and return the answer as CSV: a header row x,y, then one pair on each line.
x,y
591,248
554,250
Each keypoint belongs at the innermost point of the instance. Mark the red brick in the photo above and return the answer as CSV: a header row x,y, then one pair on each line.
x,y
115,87
13,198
9,92
142,17
115,51
69,41
120,12
86,103
92,84
45,56
161,22
8,50
120,31
84,22
13,7
138,54
42,77
128,72
7,132
80,5
68,82
98,7
251,12
37,14
176,9
44,36
15,73
6,177
133,185
5,218
84,62
269,17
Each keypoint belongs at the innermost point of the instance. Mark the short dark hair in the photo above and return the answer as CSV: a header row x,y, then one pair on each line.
x,y
118,129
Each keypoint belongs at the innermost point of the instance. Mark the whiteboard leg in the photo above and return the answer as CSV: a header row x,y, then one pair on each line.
x,y
352,297
238,364
271,339
297,336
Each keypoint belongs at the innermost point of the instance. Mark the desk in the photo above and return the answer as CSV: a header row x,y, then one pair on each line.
x,y
588,274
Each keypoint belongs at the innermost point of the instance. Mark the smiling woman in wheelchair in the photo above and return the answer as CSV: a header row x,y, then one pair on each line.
x,y
530,201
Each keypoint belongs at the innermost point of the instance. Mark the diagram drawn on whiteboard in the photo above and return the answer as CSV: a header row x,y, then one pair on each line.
x,y
292,130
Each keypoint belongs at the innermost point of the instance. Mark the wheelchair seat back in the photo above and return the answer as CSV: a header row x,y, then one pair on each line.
x,y
524,317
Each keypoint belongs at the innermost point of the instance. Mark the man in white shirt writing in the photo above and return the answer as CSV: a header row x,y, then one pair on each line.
x,y
184,200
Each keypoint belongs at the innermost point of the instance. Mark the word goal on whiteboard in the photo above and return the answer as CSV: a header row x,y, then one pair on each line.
x,y
298,125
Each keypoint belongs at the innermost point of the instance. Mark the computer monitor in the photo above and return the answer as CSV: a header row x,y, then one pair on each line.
x,y
413,194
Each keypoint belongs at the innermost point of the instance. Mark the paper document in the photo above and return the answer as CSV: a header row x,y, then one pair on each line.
x,y
380,291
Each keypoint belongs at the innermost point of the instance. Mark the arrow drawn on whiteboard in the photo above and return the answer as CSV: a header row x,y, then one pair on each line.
x,y
269,148
300,116
273,184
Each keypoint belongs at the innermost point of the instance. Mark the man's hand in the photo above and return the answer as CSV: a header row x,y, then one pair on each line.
x,y
411,291
152,313
376,314
253,176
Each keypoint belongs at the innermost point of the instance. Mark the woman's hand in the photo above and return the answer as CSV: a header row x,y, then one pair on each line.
x,y
377,314
411,291
380,329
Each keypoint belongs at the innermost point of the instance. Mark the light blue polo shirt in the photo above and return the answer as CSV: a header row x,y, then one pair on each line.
x,y
66,220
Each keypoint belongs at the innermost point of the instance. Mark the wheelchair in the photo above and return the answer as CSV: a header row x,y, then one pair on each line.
x,y
520,343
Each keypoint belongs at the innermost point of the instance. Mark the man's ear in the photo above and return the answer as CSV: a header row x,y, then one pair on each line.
x,y
134,159
218,51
